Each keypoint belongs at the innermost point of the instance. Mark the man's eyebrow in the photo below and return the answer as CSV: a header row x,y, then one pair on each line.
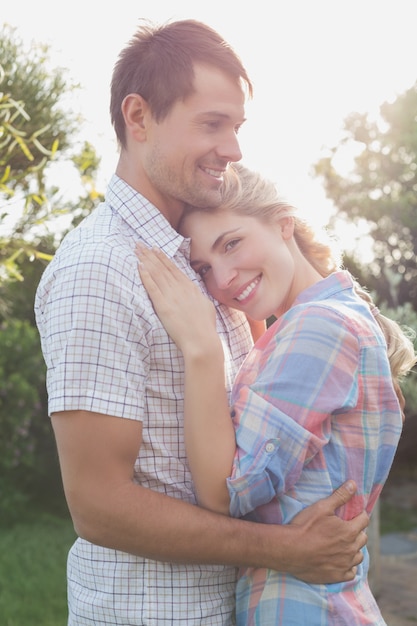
x,y
218,114
216,244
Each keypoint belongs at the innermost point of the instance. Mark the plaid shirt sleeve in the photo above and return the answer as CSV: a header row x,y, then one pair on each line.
x,y
297,377
94,336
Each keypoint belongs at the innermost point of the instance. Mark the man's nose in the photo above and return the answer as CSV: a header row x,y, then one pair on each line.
x,y
229,148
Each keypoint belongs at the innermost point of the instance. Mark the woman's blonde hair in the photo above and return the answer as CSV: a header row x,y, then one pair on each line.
x,y
246,192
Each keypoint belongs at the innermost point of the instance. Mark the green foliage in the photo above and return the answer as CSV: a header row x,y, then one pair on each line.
x,y
35,133
37,123
87,163
16,300
26,440
18,141
381,190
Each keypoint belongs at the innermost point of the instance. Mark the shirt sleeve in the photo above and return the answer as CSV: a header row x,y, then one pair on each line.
x,y
284,401
93,332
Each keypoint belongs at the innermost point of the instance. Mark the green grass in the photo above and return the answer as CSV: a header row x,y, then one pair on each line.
x,y
33,572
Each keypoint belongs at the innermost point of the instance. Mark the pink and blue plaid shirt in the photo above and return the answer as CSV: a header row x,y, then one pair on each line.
x,y
313,405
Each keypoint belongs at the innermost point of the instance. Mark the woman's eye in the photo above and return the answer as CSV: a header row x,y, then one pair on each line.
x,y
231,244
203,270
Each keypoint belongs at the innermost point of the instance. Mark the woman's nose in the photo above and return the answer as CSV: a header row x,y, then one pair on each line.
x,y
224,276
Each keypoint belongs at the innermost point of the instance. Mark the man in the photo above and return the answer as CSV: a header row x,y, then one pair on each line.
x,y
146,554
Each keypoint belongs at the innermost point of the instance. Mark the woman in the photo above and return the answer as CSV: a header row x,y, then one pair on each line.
x,y
314,403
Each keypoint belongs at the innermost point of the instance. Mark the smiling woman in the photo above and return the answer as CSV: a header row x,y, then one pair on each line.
x,y
245,262
304,406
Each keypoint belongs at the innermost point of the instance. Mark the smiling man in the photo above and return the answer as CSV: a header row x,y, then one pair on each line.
x,y
146,554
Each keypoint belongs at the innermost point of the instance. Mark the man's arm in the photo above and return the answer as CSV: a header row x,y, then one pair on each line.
x,y
97,454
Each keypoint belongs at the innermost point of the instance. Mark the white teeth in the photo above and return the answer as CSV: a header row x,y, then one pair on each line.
x,y
248,290
216,173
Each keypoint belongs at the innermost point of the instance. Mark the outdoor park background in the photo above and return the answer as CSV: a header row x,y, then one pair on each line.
x,y
333,122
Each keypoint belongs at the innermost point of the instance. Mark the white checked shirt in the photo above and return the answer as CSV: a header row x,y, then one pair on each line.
x,y
107,352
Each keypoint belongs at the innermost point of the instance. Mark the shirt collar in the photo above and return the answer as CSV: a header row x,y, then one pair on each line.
x,y
331,285
144,218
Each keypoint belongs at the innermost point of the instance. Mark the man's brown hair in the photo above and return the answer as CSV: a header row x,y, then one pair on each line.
x,y
158,63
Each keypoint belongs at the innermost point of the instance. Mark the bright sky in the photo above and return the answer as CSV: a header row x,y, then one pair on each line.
x,y
312,63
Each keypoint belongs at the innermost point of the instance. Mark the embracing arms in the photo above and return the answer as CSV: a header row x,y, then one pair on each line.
x,y
97,453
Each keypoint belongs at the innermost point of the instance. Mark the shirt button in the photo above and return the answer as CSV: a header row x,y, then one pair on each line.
x,y
270,447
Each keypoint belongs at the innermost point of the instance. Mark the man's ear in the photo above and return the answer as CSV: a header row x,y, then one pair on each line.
x,y
135,111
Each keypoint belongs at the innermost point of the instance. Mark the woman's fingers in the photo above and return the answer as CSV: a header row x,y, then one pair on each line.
x,y
188,316
165,274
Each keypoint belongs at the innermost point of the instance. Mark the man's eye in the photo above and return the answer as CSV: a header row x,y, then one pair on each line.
x,y
213,125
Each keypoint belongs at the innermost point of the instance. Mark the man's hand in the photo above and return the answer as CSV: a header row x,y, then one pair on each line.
x,y
329,549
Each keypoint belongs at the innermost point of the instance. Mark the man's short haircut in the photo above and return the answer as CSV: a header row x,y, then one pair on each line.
x,y
158,64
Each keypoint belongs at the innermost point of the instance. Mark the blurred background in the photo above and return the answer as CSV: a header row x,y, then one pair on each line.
x,y
333,122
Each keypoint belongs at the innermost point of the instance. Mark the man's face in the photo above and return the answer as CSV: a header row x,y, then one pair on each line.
x,y
187,153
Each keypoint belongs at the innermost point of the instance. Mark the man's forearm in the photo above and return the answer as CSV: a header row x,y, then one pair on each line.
x,y
140,521
320,549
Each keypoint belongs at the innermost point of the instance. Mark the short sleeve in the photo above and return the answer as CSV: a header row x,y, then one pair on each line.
x,y
93,331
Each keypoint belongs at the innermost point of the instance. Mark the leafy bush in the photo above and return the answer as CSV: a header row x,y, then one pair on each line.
x,y
27,449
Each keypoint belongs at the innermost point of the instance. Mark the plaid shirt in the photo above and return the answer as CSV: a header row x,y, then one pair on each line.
x,y
313,405
107,352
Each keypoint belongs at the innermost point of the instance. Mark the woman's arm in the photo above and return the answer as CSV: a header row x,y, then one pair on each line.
x,y
190,320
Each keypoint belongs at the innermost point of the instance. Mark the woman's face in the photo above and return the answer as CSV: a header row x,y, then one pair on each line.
x,y
246,263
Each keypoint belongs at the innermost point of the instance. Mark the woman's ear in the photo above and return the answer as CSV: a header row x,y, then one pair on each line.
x,y
135,111
287,227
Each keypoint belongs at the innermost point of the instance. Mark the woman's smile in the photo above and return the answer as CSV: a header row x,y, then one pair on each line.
x,y
248,290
